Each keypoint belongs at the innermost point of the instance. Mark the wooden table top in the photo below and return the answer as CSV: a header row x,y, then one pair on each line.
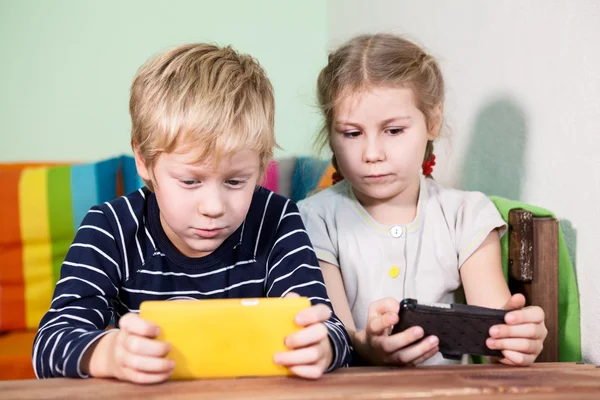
x,y
542,381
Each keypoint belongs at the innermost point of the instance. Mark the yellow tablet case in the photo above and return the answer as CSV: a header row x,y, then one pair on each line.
x,y
225,337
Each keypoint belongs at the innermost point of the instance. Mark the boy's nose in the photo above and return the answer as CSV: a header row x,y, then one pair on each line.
x,y
212,206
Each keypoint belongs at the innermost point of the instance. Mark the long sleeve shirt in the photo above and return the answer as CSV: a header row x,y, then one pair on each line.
x,y
121,257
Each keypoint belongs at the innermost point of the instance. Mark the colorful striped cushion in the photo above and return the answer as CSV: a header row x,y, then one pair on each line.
x,y
40,210
285,171
131,180
326,178
308,174
271,180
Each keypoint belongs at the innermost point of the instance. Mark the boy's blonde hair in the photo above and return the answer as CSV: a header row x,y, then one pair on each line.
x,y
202,97
380,60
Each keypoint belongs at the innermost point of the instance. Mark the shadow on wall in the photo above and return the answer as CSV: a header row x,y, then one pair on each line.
x,y
570,234
494,162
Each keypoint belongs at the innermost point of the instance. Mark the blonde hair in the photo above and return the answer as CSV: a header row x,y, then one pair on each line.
x,y
379,60
204,97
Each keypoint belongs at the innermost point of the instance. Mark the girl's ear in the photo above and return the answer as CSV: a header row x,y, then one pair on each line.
x,y
435,124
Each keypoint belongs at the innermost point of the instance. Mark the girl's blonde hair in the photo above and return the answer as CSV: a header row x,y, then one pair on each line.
x,y
206,98
380,60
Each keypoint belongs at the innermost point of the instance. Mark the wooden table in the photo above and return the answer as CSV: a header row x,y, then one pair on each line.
x,y
542,381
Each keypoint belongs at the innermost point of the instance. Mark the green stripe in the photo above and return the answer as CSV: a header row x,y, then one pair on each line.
x,y
60,215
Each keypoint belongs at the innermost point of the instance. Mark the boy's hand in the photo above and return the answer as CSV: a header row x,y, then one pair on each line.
x,y
521,340
310,349
131,353
397,349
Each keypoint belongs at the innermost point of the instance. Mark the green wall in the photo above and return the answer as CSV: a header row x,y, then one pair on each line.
x,y
66,66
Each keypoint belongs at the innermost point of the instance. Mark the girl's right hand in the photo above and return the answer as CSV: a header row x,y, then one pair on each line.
x,y
132,353
397,349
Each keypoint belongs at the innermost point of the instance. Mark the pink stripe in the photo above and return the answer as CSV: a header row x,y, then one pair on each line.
x,y
271,177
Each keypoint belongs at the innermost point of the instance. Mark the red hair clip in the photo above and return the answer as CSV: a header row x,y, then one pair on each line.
x,y
428,165
336,177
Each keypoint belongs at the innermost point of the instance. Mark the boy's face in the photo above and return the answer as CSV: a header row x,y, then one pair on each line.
x,y
201,204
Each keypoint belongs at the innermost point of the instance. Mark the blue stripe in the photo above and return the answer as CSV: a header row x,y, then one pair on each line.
x,y
83,191
306,177
106,179
131,179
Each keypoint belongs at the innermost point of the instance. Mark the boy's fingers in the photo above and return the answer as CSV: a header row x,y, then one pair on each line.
x,y
307,355
156,365
312,315
402,339
308,336
291,295
529,331
144,377
134,324
146,347
307,371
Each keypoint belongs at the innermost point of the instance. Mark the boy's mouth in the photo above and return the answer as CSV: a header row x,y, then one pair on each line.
x,y
208,233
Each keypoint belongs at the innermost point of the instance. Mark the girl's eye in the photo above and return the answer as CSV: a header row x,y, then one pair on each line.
x,y
189,182
395,131
352,134
234,182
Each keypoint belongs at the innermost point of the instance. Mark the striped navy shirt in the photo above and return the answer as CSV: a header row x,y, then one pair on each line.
x,y
121,256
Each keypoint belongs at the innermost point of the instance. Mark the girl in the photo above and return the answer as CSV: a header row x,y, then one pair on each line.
x,y
388,231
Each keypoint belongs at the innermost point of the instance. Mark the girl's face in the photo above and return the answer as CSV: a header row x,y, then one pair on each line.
x,y
379,138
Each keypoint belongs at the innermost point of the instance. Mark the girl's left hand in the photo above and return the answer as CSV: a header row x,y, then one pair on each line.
x,y
521,340
310,349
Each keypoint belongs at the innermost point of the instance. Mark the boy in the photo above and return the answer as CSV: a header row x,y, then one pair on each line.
x,y
202,135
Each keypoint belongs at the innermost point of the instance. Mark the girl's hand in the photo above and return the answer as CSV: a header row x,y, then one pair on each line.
x,y
397,349
310,351
131,353
521,340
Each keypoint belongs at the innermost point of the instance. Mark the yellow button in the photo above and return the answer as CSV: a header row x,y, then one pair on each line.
x,y
394,272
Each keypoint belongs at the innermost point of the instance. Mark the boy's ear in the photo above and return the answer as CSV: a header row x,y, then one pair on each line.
x,y
435,124
140,165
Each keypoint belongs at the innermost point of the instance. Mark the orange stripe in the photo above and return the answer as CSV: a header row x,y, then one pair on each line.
x,y
327,178
12,296
37,250
21,166
15,362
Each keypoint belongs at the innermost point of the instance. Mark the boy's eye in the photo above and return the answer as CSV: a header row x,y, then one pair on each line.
x,y
352,134
395,131
189,182
234,182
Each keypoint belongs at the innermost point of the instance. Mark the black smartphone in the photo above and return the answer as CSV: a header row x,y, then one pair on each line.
x,y
461,329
